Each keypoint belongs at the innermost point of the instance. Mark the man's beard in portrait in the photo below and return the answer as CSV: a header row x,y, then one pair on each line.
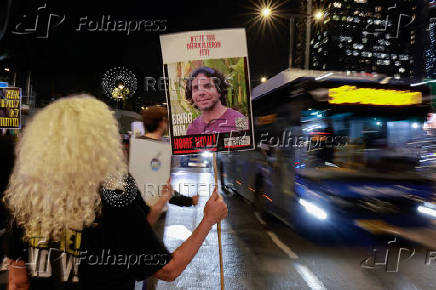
x,y
210,108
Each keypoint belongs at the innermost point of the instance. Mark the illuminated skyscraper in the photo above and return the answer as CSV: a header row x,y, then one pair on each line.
x,y
375,36
430,53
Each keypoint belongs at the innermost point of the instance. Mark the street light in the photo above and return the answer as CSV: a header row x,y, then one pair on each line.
x,y
319,15
263,79
7,69
266,12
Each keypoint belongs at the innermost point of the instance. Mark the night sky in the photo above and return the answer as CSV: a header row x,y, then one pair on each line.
x,y
73,61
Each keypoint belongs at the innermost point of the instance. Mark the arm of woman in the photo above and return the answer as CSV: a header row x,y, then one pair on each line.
x,y
214,211
18,279
156,210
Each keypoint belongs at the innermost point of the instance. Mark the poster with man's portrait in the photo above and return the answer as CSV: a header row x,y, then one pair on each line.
x,y
208,91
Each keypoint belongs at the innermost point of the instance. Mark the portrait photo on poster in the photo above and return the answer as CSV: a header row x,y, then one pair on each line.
x,y
210,101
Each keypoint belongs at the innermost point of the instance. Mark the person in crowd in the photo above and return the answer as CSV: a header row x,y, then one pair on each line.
x,y
76,219
206,90
155,119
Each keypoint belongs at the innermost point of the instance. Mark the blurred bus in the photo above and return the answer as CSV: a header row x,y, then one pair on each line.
x,y
333,150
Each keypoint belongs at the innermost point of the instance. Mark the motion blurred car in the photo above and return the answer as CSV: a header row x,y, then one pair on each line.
x,y
196,160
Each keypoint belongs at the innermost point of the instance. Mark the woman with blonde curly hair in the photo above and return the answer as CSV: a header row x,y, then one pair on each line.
x,y
78,221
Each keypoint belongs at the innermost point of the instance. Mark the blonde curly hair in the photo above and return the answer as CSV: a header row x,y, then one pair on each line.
x,y
68,150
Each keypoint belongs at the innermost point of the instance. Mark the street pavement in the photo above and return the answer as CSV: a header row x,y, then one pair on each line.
x,y
261,252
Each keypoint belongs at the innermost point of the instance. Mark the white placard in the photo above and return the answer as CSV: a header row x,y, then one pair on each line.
x,y
204,44
150,165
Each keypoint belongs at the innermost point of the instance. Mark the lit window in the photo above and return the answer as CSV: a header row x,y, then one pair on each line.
x,y
378,48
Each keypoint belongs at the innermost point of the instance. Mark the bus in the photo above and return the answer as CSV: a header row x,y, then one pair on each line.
x,y
333,151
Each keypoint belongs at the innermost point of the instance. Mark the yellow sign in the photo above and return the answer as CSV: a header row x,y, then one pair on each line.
x,y
10,108
267,119
368,96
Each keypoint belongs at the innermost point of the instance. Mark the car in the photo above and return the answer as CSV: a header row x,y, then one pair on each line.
x,y
196,160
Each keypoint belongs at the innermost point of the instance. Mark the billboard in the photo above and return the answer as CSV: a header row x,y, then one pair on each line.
x,y
208,91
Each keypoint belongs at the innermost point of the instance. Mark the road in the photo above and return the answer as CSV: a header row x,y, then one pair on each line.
x,y
261,252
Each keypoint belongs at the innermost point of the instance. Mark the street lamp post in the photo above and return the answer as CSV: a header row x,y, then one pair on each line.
x,y
318,16
292,18
307,17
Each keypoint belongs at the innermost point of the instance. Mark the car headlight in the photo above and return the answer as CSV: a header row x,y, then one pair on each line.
x,y
313,209
206,154
427,210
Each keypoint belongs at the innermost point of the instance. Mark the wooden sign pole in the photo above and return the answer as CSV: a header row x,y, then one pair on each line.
x,y
215,169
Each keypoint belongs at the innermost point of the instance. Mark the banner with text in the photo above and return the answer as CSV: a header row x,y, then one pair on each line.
x,y
10,108
208,91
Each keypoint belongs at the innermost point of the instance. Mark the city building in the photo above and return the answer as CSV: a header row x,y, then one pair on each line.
x,y
374,36
430,54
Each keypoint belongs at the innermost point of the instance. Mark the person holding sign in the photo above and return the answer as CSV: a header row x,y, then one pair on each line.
x,y
77,221
206,90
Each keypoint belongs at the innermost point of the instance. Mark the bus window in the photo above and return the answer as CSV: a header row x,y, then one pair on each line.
x,y
352,141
